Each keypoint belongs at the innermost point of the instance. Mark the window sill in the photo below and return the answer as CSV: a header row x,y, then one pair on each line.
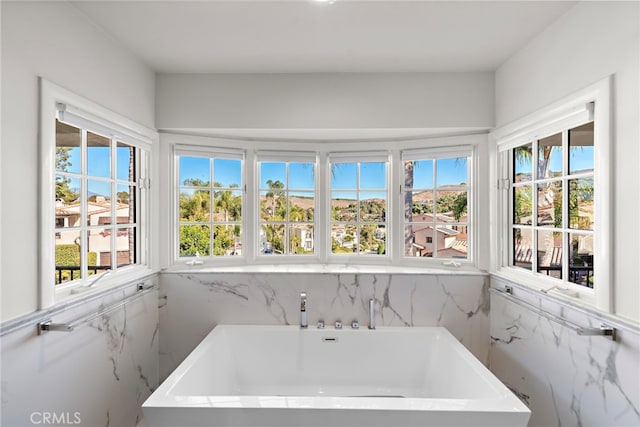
x,y
330,268
120,283
573,295
77,291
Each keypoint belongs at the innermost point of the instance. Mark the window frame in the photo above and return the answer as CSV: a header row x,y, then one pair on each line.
x,y
59,103
211,154
435,154
286,157
589,104
392,149
358,158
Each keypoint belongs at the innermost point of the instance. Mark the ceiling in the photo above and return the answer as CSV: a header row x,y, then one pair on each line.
x,y
296,36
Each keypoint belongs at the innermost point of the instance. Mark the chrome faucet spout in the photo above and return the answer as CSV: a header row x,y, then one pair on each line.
x,y
372,314
303,310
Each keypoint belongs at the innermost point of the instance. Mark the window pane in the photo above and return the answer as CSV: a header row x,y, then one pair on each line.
x,y
125,162
126,246
194,171
418,174
226,240
420,243
273,205
550,204
373,206
581,259
98,155
373,176
451,203
451,172
99,250
550,156
343,176
421,205
301,239
372,240
68,143
301,207
343,206
523,205
125,207
195,240
273,175
67,202
67,256
581,204
581,153
227,206
550,253
227,173
343,239
195,205
522,166
272,239
522,248
454,246
301,176
99,202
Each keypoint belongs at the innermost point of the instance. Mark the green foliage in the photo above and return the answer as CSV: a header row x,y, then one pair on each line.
x,y
523,204
194,239
460,206
68,255
63,192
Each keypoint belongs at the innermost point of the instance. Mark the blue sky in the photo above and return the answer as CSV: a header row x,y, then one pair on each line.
x,y
99,165
580,159
225,171
301,178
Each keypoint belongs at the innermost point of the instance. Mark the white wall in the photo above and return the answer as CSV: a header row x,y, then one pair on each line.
x,y
325,101
55,41
591,41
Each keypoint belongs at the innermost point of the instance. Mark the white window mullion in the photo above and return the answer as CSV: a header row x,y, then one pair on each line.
x,y
114,214
84,207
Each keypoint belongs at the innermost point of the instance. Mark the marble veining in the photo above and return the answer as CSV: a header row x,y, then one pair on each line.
x,y
102,371
568,379
459,303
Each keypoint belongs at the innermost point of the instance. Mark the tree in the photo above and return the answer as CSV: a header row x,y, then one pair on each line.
x,y
460,205
63,191
194,239
408,206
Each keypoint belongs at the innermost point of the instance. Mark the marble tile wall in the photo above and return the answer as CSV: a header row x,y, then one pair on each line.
x,y
191,304
96,375
565,379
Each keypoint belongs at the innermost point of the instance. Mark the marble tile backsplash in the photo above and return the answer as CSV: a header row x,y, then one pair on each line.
x,y
96,375
565,379
191,304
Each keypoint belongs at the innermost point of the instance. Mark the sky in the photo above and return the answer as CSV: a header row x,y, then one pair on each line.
x,y
299,178
99,165
580,159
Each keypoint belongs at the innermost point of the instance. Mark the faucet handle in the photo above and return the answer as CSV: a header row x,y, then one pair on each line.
x,y
355,325
338,324
320,324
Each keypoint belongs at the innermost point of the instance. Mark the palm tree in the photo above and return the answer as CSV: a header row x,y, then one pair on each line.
x,y
274,193
408,206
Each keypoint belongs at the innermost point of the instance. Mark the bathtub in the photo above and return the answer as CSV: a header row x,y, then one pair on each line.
x,y
287,376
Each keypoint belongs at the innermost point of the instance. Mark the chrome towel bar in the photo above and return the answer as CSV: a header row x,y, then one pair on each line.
x,y
603,330
48,325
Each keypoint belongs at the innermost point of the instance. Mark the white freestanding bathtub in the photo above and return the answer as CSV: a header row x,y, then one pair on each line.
x,y
287,376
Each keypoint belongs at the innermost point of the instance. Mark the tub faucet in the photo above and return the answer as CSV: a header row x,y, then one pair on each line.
x,y
372,314
303,310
